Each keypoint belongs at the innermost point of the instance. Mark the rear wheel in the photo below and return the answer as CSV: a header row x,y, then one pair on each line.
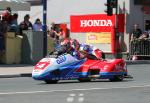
x,y
117,78
51,81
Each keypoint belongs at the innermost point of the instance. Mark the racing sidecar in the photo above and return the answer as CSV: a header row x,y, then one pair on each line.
x,y
53,68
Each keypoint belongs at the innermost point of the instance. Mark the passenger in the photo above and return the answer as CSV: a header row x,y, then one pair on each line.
x,y
91,50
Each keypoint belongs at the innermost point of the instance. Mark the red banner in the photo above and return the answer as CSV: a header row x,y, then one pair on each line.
x,y
92,23
121,23
96,23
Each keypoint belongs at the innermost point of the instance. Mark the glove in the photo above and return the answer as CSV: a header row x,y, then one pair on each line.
x,y
55,53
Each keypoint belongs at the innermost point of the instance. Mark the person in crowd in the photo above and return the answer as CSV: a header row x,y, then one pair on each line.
x,y
145,35
26,24
57,34
136,32
14,23
7,16
148,32
37,25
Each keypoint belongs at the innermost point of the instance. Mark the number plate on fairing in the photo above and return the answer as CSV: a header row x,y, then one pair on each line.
x,y
41,65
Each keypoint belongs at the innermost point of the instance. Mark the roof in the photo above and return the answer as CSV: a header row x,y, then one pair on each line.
x,y
15,5
34,2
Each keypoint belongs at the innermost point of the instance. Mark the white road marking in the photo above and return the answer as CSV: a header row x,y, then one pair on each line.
x,y
72,95
81,99
70,99
69,90
81,94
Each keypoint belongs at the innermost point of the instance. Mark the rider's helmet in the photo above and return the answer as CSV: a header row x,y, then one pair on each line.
x,y
86,48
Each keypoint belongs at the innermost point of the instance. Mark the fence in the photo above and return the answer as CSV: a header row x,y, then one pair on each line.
x,y
140,47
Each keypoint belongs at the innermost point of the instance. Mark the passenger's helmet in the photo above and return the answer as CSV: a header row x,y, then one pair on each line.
x,y
86,48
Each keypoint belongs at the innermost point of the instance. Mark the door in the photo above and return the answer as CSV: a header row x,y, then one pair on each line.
x,y
147,25
147,22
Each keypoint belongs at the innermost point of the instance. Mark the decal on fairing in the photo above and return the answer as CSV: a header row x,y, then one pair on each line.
x,y
61,59
41,65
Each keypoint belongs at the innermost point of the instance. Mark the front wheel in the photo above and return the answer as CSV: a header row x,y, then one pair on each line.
x,y
117,78
51,81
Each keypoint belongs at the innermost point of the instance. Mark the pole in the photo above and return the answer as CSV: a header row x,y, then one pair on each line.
x,y
116,30
44,27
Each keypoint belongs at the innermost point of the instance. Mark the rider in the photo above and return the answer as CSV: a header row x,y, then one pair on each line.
x,y
80,51
86,51
64,45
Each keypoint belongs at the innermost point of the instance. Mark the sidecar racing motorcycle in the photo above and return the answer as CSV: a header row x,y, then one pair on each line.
x,y
65,66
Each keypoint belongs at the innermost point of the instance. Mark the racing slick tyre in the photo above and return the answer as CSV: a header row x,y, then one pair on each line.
x,y
117,78
51,81
84,79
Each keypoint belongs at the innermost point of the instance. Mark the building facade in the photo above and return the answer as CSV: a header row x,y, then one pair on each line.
x,y
59,11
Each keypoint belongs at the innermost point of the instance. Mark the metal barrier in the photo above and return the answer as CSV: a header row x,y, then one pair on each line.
x,y
140,47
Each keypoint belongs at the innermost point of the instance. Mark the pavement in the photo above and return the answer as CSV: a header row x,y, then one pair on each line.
x,y
25,70
15,70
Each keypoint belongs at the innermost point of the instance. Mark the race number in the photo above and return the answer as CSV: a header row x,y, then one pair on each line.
x,y
61,59
41,65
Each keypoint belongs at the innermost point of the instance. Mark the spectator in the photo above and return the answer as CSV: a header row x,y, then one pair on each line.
x,y
14,23
37,25
57,34
145,35
136,32
26,24
148,33
7,15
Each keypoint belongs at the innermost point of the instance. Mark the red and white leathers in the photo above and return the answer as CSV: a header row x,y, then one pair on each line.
x,y
81,50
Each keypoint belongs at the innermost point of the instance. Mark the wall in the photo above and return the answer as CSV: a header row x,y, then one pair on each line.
x,y
36,12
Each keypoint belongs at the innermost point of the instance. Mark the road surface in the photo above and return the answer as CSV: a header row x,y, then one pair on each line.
x,y
27,90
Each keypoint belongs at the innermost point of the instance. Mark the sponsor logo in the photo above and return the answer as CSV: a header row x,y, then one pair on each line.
x,y
91,23
92,37
61,59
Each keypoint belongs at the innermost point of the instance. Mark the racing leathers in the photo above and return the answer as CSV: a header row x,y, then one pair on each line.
x,y
65,47
79,51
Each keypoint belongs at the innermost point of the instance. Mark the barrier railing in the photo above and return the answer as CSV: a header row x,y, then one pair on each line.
x,y
140,47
